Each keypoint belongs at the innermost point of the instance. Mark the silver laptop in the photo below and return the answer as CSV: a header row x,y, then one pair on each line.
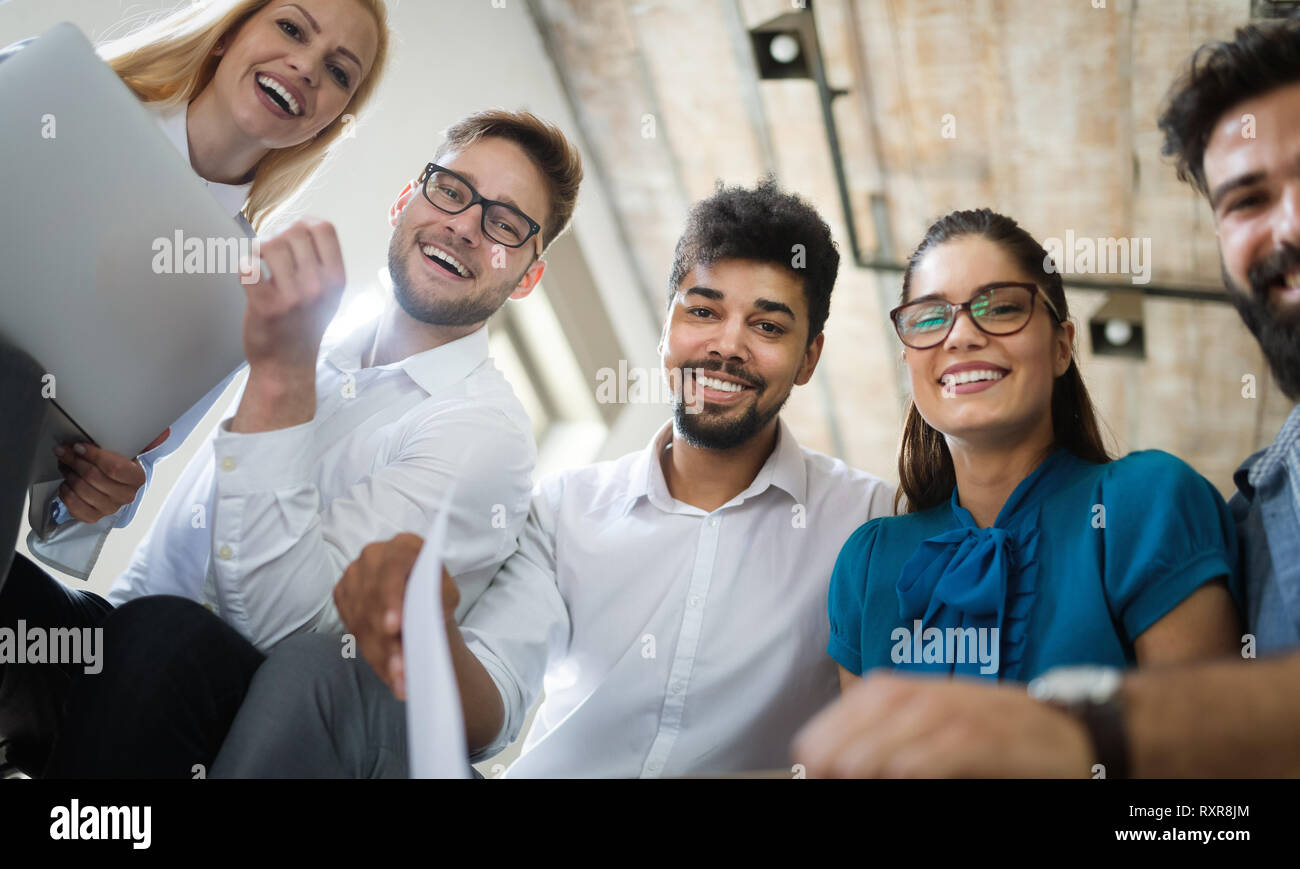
x,y
96,203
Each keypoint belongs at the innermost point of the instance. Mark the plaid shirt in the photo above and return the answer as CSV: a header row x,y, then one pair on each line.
x,y
1267,511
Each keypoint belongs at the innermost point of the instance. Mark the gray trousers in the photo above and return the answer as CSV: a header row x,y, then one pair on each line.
x,y
312,713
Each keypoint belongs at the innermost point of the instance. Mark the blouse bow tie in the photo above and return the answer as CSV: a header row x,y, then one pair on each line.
x,y
970,577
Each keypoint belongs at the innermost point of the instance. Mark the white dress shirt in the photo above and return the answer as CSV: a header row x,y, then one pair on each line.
x,y
669,641
55,537
261,526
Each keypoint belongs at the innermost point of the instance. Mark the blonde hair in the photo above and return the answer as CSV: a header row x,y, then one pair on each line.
x,y
170,61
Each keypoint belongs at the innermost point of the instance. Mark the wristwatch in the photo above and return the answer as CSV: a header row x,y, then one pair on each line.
x,y
1092,696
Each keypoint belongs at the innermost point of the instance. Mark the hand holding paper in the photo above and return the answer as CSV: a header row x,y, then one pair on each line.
x,y
369,598
435,726
399,603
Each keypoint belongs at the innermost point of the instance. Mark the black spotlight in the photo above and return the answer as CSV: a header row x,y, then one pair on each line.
x,y
1117,337
781,54
1116,328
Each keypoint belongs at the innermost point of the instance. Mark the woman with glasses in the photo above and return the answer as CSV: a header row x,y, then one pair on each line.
x,y
256,95
1023,546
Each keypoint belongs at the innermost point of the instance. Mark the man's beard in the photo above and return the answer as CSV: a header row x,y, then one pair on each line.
x,y
465,311
703,429
1278,332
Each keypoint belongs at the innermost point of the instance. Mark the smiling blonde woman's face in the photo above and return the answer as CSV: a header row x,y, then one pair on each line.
x,y
292,68
1014,394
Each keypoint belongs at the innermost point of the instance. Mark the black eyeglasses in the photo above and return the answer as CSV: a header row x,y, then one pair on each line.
x,y
995,309
504,224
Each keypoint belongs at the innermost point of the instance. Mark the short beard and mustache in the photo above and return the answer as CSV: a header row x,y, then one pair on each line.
x,y
1278,332
464,311
703,429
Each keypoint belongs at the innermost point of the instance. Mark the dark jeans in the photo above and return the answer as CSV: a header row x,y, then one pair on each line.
x,y
24,415
173,676
32,696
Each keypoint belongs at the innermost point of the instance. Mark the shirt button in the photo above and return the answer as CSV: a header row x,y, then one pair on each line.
x,y
713,523
694,601
227,464
225,553
209,607
677,687
653,766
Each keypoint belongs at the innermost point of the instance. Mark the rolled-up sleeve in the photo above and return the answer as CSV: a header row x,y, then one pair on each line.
x,y
520,622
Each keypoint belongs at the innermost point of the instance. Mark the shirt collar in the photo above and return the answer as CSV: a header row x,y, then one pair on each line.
x,y
784,468
432,370
232,197
1041,482
1284,451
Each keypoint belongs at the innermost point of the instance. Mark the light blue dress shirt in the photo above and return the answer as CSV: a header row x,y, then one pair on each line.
x,y
1267,510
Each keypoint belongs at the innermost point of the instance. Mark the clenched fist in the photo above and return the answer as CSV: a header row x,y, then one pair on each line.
x,y
285,319
287,314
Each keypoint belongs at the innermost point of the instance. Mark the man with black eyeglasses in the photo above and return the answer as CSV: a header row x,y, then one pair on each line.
x,y
328,449
671,602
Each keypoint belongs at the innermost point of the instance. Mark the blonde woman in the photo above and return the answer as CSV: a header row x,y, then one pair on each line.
x,y
222,62
256,95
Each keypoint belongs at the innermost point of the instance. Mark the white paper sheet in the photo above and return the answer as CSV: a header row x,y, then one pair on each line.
x,y
435,725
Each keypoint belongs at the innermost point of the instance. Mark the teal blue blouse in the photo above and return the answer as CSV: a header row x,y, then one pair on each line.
x,y
1082,559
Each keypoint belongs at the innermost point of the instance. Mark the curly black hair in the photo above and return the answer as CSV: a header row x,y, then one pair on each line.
x,y
764,224
1260,58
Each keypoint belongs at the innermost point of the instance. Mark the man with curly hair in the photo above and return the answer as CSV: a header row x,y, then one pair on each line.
x,y
672,601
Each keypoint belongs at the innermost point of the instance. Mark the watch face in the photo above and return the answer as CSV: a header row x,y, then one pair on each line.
x,y
1076,684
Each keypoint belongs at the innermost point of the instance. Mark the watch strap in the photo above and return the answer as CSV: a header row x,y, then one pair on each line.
x,y
1105,725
